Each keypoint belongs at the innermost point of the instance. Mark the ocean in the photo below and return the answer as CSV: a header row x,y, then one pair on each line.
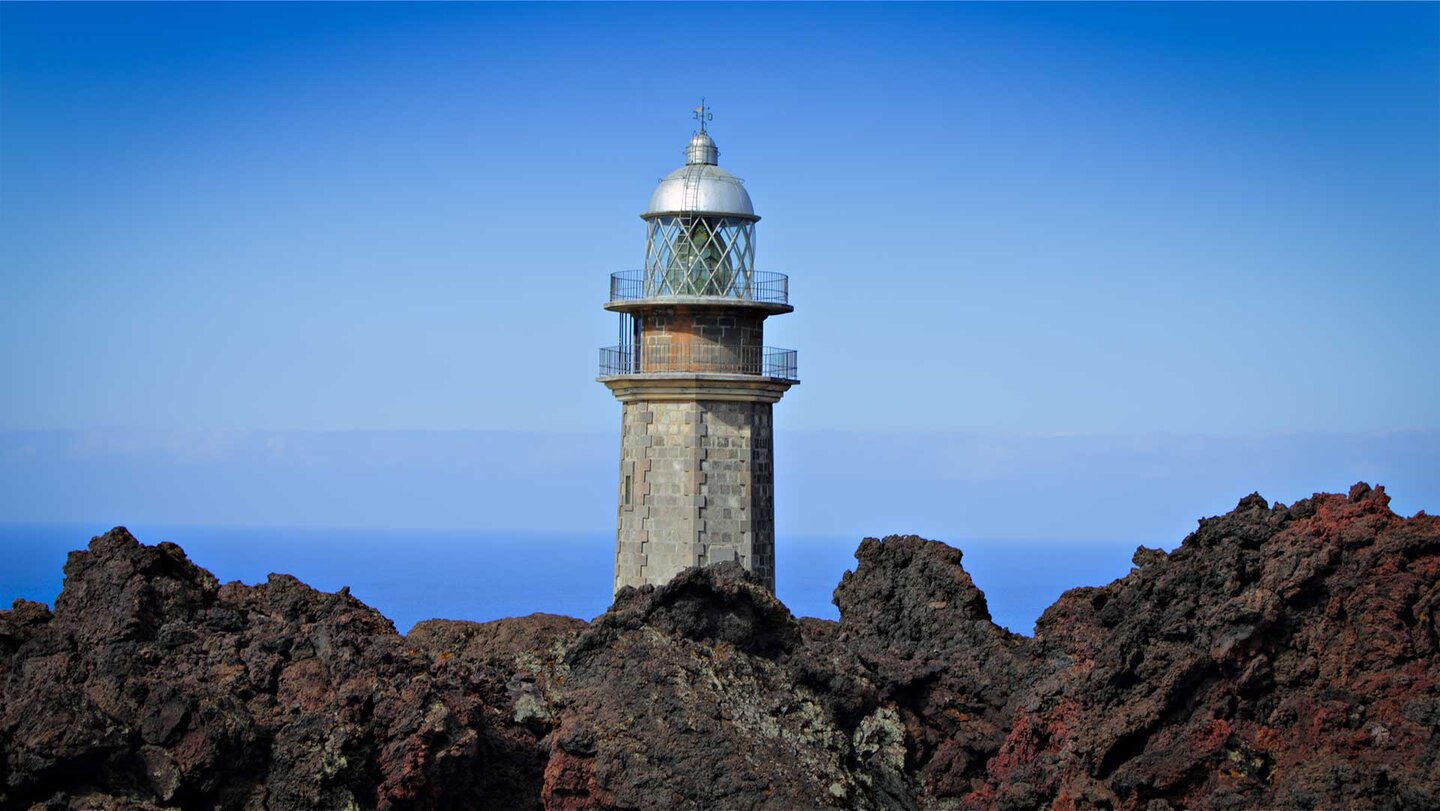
x,y
414,575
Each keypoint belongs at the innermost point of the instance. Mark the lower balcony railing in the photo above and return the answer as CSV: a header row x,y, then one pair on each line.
x,y
762,361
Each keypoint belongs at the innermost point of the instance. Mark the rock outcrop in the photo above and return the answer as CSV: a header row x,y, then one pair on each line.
x,y
153,685
1280,657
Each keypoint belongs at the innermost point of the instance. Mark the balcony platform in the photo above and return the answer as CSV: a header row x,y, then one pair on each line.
x,y
638,290
687,386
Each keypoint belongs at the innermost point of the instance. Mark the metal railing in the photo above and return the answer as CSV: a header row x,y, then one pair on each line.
x,y
780,363
762,361
758,286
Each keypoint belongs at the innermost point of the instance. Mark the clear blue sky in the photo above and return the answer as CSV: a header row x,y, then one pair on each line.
x,y
1023,218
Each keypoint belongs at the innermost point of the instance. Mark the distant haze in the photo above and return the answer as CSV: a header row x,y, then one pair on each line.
x,y
951,486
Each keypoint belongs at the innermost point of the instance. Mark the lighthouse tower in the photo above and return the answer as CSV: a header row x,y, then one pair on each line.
x,y
695,380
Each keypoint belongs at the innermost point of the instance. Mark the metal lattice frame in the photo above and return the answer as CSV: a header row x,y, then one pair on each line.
x,y
699,256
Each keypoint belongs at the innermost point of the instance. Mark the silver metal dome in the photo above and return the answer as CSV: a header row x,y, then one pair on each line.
x,y
702,149
701,187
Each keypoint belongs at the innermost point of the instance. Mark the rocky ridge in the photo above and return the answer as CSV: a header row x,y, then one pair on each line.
x,y
1280,657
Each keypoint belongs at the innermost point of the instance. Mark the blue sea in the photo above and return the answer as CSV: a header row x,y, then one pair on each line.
x,y
414,575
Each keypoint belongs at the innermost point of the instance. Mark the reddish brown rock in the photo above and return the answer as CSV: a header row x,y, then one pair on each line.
x,y
151,683
1280,657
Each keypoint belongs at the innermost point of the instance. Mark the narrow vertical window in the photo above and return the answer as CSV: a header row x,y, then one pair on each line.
x,y
627,491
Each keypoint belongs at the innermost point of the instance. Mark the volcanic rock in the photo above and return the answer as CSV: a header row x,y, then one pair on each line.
x,y
1280,657
153,684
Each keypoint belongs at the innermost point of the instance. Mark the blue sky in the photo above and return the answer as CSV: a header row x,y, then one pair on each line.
x,y
1042,218
1031,220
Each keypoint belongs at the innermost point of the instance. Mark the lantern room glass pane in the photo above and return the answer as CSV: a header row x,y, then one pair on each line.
x,y
699,256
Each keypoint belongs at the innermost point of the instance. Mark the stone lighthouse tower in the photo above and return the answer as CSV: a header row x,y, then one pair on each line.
x,y
695,380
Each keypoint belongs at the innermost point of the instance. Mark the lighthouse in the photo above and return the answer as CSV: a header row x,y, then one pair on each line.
x,y
695,380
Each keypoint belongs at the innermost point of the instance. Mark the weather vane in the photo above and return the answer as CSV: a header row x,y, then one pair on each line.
x,y
703,114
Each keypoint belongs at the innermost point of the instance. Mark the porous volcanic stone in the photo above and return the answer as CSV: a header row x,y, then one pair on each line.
x,y
1281,657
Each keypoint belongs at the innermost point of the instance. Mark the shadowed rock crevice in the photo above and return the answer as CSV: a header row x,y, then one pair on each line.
x,y
1279,657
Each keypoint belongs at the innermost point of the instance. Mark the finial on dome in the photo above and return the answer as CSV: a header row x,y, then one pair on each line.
x,y
702,149
703,114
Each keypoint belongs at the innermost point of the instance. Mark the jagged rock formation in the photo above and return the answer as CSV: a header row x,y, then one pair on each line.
x,y
152,682
1281,657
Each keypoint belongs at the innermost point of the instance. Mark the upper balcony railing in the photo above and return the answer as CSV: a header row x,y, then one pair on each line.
x,y
757,286
762,361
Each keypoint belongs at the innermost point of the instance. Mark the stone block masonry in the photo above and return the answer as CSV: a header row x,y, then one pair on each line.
x,y
696,487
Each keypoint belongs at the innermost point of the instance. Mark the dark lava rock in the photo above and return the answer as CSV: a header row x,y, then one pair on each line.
x,y
694,695
154,685
923,632
1279,658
